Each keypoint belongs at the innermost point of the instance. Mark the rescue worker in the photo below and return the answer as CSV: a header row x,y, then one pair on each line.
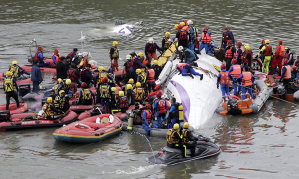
x,y
73,53
36,76
77,59
61,101
211,49
150,50
141,77
84,61
239,52
247,56
55,58
50,109
158,69
128,67
139,93
267,53
73,75
279,54
61,71
122,102
188,54
105,94
147,120
86,75
223,79
99,78
66,87
160,108
150,78
187,70
182,37
289,56
286,74
130,94
137,63
165,44
247,82
205,40
260,48
86,96
192,35
188,139
67,63
176,27
173,116
227,35
229,54
113,99
175,139
131,81
11,89
40,57
235,71
112,81
114,55
16,70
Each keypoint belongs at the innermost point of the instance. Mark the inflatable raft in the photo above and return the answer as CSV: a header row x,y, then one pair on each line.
x,y
290,94
14,109
26,120
90,130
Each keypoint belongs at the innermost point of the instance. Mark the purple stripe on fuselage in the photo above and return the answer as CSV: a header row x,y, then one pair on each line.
x,y
184,99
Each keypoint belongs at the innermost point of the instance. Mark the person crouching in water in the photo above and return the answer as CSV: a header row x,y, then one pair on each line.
x,y
247,82
147,120
223,79
86,96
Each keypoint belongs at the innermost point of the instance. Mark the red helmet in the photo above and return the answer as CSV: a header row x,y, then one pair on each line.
x,y
39,48
83,85
148,106
263,40
105,80
234,61
239,43
157,87
56,51
294,67
223,66
285,61
280,41
159,94
206,28
227,28
180,26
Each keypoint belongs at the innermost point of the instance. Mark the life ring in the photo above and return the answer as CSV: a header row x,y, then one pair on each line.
x,y
82,126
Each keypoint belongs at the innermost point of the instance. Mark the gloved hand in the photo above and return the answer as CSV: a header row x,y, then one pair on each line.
x,y
218,86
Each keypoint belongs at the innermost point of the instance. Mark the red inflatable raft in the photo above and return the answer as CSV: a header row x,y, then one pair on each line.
x,y
90,130
19,121
14,109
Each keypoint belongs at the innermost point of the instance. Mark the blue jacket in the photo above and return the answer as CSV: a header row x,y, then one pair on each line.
x,y
231,35
189,56
41,57
191,33
36,74
144,121
239,51
54,59
210,50
219,76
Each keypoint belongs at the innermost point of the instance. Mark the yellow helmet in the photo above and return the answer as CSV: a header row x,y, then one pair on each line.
x,y
129,86
121,93
167,34
59,80
247,48
267,41
101,69
176,26
155,62
61,91
186,125
131,81
138,71
246,45
49,100
140,54
68,81
176,126
114,43
138,84
14,62
113,89
8,73
183,23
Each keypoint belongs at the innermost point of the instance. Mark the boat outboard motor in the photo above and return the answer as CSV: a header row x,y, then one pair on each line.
x,y
281,92
24,89
5,116
232,107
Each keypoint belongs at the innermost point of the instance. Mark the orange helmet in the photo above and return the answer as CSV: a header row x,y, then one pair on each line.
x,y
39,48
148,106
56,50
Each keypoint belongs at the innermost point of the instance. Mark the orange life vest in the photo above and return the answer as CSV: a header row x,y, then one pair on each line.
x,y
57,59
151,75
281,52
148,116
206,38
236,71
287,74
224,78
229,52
186,28
181,65
247,79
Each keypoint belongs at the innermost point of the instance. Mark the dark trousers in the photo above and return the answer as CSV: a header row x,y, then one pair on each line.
x,y
192,147
228,63
14,95
35,86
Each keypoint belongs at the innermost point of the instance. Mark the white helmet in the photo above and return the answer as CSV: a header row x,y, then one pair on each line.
x,y
80,54
189,22
128,57
111,119
180,48
151,40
